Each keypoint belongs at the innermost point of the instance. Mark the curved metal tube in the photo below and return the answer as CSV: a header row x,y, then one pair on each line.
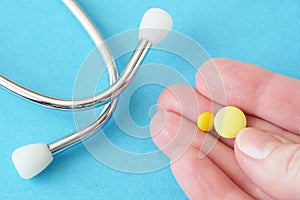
x,y
107,97
118,86
77,136
100,99
85,103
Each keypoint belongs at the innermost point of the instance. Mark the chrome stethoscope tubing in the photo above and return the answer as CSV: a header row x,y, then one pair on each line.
x,y
105,96
32,159
85,103
118,86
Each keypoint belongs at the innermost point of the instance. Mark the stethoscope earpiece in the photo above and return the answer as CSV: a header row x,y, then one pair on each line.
x,y
155,25
31,159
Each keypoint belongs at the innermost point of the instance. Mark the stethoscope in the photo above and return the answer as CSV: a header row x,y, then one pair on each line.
x,y
31,159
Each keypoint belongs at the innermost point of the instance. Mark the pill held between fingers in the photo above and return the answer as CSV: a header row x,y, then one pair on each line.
x,y
229,121
206,121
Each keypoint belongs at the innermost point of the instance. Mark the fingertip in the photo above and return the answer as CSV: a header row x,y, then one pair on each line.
x,y
157,123
238,142
172,133
269,161
168,98
257,144
216,65
209,78
183,100
172,96
224,80
162,128
209,65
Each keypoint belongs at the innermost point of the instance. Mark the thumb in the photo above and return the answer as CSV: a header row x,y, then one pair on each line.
x,y
271,162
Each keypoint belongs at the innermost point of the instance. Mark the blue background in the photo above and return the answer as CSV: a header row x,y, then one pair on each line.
x,y
42,47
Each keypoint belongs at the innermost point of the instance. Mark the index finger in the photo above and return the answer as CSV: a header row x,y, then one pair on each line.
x,y
257,91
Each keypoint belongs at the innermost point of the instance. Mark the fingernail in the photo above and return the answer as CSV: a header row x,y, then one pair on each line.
x,y
158,122
255,143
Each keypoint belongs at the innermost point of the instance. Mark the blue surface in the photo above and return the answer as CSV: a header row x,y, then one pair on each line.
x,y
42,47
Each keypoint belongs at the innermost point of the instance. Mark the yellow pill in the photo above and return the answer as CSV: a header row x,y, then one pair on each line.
x,y
229,121
206,121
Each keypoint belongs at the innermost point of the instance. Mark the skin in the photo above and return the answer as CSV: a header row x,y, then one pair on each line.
x,y
216,168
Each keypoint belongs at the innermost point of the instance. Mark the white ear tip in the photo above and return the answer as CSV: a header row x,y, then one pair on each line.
x,y
155,25
30,160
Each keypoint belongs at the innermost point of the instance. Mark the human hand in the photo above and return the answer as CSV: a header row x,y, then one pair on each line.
x,y
263,162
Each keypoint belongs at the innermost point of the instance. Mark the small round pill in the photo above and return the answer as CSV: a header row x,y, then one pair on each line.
x,y
229,121
206,121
